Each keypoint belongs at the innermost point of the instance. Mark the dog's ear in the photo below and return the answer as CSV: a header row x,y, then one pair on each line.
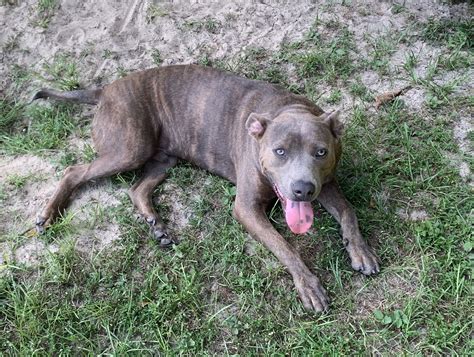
x,y
257,123
332,120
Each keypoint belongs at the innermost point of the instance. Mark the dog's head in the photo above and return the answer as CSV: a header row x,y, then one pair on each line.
x,y
298,153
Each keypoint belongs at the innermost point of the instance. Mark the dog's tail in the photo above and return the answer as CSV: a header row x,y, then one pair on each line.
x,y
86,96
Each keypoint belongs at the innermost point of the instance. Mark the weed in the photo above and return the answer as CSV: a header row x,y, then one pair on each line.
x,y
3,193
205,60
208,24
411,62
154,11
9,2
358,89
17,181
383,47
63,71
398,8
109,54
328,60
9,114
156,56
48,129
46,9
121,71
454,34
335,97
11,44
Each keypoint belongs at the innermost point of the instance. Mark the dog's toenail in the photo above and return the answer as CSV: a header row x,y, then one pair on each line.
x,y
151,221
160,234
165,242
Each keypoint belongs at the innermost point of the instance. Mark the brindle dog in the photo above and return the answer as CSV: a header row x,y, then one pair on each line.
x,y
267,141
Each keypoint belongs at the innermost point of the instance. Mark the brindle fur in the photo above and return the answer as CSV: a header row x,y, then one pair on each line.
x,y
153,118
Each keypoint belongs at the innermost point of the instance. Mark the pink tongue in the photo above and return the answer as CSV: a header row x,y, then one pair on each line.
x,y
299,216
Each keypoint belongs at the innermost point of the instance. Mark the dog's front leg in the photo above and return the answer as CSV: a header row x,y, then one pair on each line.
x,y
363,258
251,214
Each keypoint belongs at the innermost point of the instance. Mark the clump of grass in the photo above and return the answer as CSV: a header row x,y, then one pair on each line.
x,y
440,95
382,48
358,89
255,63
154,11
328,59
455,34
10,112
63,71
46,9
11,43
156,57
208,24
18,181
47,128
122,71
335,97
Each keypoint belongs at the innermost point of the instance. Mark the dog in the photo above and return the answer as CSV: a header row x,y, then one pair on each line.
x,y
267,141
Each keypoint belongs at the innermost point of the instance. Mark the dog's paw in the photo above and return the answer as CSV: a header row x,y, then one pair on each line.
x,y
159,233
363,259
163,238
311,292
40,224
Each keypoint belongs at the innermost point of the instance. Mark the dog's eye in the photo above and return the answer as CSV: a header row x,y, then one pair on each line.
x,y
280,152
321,152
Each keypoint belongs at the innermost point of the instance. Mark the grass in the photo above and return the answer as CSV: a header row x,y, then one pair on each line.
x,y
219,292
328,59
45,9
154,12
157,57
63,72
42,128
207,24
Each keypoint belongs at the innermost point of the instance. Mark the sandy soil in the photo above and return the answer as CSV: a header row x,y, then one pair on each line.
x,y
109,36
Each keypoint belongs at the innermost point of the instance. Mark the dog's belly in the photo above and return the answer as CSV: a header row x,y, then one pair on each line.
x,y
204,153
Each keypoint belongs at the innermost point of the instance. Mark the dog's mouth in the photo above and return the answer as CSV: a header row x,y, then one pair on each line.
x,y
299,215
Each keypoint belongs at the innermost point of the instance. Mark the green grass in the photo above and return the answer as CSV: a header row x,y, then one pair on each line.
x,y
456,34
219,292
63,72
207,24
45,9
157,57
17,181
37,128
153,12
328,60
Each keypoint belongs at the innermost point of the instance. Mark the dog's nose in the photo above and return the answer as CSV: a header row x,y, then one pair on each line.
x,y
303,190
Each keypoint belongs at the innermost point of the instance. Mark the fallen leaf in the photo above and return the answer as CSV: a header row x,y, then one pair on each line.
x,y
389,96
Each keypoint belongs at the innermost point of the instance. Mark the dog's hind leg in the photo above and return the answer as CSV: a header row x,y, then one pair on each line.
x,y
74,176
140,193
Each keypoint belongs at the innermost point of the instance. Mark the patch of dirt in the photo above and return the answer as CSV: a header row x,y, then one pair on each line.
x,y
413,215
111,35
379,292
6,256
461,131
23,204
90,205
32,251
180,211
